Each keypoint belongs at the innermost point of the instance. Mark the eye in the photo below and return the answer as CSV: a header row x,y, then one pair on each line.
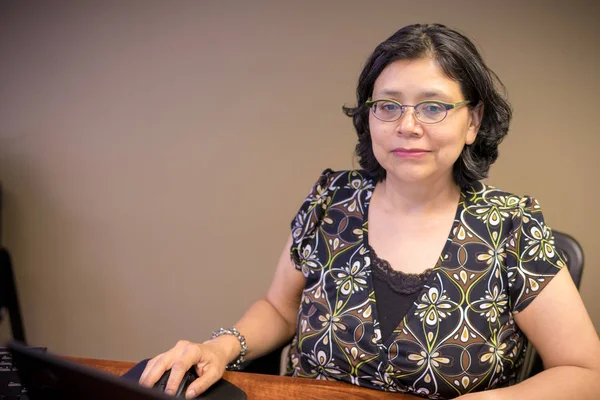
x,y
388,107
386,110
432,108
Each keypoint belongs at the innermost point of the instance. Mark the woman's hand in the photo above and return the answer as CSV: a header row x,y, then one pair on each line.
x,y
277,311
209,359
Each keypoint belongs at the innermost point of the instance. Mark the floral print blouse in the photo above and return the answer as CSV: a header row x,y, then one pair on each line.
x,y
460,335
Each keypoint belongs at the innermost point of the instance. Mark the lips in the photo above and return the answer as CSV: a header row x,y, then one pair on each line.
x,y
410,153
403,150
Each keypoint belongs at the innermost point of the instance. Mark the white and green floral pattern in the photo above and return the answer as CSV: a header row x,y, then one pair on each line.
x,y
460,335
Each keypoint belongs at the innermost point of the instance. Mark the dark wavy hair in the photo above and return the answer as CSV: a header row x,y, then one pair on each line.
x,y
459,60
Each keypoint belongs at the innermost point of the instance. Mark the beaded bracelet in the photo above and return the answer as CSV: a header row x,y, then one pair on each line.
x,y
236,365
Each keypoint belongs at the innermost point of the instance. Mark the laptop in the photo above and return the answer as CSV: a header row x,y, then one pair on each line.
x,y
49,377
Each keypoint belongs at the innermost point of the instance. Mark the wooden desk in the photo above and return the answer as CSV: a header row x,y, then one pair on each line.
x,y
271,387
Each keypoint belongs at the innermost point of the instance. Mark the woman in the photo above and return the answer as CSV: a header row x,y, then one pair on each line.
x,y
411,275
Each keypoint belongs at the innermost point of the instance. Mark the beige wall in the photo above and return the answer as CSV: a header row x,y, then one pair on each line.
x,y
153,153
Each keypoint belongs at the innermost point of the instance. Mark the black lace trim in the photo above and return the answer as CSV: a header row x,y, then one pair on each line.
x,y
398,281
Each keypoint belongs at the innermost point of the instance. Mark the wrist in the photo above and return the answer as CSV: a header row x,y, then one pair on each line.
x,y
227,346
239,361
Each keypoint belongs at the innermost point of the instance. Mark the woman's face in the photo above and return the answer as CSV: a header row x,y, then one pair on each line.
x,y
412,151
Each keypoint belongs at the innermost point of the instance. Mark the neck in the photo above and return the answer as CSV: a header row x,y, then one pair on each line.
x,y
399,197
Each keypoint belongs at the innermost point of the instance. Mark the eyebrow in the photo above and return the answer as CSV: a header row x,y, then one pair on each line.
x,y
427,94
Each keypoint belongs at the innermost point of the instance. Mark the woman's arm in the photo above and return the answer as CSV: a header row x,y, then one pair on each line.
x,y
270,322
560,329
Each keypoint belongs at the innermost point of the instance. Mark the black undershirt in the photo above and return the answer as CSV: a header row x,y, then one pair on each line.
x,y
395,293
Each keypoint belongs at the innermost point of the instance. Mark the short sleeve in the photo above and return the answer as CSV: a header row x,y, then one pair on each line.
x,y
307,220
532,258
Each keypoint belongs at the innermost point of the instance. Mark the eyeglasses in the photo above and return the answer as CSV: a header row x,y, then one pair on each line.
x,y
428,111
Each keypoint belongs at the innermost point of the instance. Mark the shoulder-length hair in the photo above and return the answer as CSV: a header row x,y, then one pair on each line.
x,y
459,60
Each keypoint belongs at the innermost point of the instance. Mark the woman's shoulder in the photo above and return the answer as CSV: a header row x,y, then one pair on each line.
x,y
483,195
353,179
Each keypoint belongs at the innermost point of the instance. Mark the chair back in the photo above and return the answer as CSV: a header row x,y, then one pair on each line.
x,y
572,253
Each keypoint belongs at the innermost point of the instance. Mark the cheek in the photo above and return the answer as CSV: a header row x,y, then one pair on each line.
x,y
451,146
379,139
373,126
380,132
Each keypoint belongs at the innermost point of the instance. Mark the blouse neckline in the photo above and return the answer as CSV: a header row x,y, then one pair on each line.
x,y
432,275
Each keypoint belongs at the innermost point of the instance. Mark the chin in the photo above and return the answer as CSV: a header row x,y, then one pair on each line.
x,y
414,174
402,175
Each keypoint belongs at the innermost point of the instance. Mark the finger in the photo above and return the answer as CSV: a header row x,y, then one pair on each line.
x,y
200,369
157,369
149,365
200,385
190,355
178,370
147,369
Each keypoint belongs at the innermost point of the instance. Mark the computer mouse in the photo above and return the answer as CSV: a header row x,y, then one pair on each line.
x,y
220,390
189,377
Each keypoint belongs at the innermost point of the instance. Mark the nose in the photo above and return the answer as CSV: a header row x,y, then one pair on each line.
x,y
408,124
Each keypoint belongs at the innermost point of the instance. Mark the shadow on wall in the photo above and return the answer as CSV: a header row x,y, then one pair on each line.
x,y
38,222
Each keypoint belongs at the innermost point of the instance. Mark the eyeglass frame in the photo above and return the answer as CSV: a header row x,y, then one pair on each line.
x,y
447,106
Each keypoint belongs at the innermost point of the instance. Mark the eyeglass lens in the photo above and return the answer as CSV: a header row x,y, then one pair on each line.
x,y
427,112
